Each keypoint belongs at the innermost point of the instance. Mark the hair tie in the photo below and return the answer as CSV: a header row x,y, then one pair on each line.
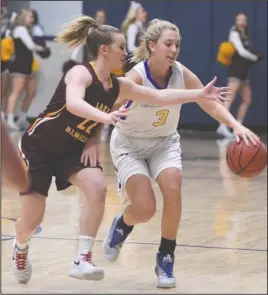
x,y
94,26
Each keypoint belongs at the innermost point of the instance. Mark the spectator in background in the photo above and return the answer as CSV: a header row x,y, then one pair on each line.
x,y
21,65
100,17
242,60
134,27
7,51
38,35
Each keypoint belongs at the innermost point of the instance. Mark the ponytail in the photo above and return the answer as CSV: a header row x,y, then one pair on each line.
x,y
76,32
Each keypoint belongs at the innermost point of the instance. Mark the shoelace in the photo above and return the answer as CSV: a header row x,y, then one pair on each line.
x,y
166,266
87,257
21,258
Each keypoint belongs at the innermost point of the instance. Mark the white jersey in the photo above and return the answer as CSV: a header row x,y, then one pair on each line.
x,y
147,120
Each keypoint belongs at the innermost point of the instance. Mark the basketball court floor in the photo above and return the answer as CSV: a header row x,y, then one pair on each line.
x,y
222,241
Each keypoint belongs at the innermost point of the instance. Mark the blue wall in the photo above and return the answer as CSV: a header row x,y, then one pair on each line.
x,y
204,25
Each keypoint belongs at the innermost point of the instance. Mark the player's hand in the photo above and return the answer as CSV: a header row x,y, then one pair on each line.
x,y
219,94
116,116
90,154
247,135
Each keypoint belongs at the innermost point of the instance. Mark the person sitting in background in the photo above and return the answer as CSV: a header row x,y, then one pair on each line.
x,y
241,62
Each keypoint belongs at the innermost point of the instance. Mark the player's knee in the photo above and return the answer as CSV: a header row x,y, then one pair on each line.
x,y
17,91
96,191
145,211
172,193
31,94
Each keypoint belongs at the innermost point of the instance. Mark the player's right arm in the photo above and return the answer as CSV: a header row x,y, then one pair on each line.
x,y
77,80
166,97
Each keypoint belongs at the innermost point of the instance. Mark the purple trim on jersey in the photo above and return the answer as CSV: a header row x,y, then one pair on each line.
x,y
149,77
127,106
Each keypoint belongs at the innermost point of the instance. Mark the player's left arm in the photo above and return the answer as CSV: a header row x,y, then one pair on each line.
x,y
217,110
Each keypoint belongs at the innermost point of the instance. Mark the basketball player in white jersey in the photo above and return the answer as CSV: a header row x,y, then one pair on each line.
x,y
147,146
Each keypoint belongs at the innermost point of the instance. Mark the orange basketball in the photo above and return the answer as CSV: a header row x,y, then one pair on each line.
x,y
246,161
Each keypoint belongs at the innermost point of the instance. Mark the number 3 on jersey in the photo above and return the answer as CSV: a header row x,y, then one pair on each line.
x,y
162,117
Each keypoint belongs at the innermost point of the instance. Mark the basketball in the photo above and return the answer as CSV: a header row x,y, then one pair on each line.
x,y
246,161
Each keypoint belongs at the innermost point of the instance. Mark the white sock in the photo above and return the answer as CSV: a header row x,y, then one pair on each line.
x,y
85,244
23,117
21,246
10,117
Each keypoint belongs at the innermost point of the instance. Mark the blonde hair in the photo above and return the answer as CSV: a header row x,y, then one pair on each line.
x,y
84,30
19,20
130,17
154,31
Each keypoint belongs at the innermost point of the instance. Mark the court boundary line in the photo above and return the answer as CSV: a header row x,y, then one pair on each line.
x,y
157,209
145,243
43,291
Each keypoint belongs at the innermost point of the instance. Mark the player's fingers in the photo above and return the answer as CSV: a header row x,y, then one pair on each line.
x,y
211,83
98,157
256,137
223,97
82,158
114,121
92,160
121,114
226,94
244,136
85,159
237,138
123,110
224,89
253,138
220,101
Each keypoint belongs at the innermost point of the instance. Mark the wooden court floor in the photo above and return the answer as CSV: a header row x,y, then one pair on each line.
x,y
222,241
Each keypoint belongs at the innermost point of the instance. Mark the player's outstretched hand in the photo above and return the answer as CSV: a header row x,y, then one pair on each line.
x,y
116,116
219,94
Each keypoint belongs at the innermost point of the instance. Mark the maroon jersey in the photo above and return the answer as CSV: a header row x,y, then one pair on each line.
x,y
59,131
